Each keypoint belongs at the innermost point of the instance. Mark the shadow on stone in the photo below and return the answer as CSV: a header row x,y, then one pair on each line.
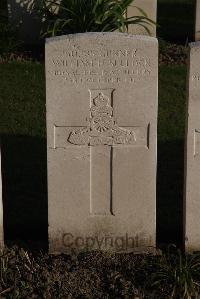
x,y
170,176
24,178
24,174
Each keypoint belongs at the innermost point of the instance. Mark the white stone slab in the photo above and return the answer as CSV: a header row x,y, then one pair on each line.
x,y
101,94
197,25
1,209
150,8
192,152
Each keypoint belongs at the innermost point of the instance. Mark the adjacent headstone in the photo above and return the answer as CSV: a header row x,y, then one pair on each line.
x,y
22,15
192,152
1,210
197,26
101,91
150,8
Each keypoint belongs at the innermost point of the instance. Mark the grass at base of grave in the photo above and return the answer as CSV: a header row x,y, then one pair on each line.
x,y
22,98
98,274
22,128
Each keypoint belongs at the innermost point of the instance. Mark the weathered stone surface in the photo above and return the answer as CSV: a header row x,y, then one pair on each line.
x,y
1,209
150,8
101,93
192,152
197,25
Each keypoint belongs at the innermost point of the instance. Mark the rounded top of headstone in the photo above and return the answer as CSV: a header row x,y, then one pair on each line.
x,y
101,35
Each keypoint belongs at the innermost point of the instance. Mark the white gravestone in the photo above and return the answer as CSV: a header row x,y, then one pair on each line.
x,y
192,153
197,23
101,91
150,8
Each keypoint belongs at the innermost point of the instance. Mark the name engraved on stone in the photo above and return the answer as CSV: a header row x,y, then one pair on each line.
x,y
114,66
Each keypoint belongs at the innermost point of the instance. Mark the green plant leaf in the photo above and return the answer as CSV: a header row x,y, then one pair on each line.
x,y
71,16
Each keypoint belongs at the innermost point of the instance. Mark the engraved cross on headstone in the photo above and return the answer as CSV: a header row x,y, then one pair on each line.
x,y
101,135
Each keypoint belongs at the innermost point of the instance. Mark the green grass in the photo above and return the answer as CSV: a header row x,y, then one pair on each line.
x,y
22,127
171,123
22,91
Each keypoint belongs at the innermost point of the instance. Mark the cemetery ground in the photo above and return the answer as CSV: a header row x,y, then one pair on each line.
x,y
32,274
